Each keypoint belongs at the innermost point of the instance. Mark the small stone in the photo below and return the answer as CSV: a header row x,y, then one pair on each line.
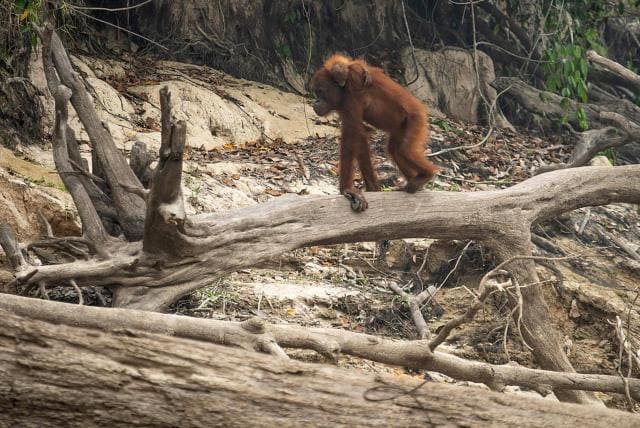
x,y
574,312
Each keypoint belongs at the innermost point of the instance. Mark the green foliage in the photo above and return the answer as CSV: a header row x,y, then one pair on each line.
x,y
574,25
27,11
441,123
296,33
284,50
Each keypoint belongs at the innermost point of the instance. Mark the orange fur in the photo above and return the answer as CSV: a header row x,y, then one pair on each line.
x,y
362,93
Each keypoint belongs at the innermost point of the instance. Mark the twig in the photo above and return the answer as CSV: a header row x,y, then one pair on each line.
x,y
546,244
42,289
585,220
472,146
140,191
485,290
468,316
619,242
48,230
416,313
83,171
428,294
413,51
78,290
519,306
107,9
624,346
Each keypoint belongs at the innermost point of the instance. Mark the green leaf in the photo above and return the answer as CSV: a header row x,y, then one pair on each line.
x,y
20,5
584,67
577,51
442,124
583,91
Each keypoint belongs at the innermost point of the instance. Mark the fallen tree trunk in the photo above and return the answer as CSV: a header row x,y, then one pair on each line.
x,y
255,334
52,375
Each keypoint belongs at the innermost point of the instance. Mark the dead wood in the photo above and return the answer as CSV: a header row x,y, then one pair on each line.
x,y
165,219
257,335
624,116
612,72
500,219
548,105
92,227
140,162
129,207
414,303
588,144
130,378
11,248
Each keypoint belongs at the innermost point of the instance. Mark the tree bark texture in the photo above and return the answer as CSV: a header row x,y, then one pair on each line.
x,y
256,334
130,207
54,375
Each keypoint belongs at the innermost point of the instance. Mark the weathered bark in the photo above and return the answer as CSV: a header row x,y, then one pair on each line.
x,y
140,162
165,205
92,227
622,114
613,73
53,375
129,207
11,248
331,343
501,219
291,222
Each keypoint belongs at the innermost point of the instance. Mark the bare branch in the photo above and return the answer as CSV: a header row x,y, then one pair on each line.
x,y
11,247
414,307
130,208
91,223
616,72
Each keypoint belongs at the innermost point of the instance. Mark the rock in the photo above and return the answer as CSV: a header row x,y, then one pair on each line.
x,y
574,312
446,81
600,161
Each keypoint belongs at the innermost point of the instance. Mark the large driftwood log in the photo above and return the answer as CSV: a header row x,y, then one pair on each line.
x,y
332,343
53,375
290,222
